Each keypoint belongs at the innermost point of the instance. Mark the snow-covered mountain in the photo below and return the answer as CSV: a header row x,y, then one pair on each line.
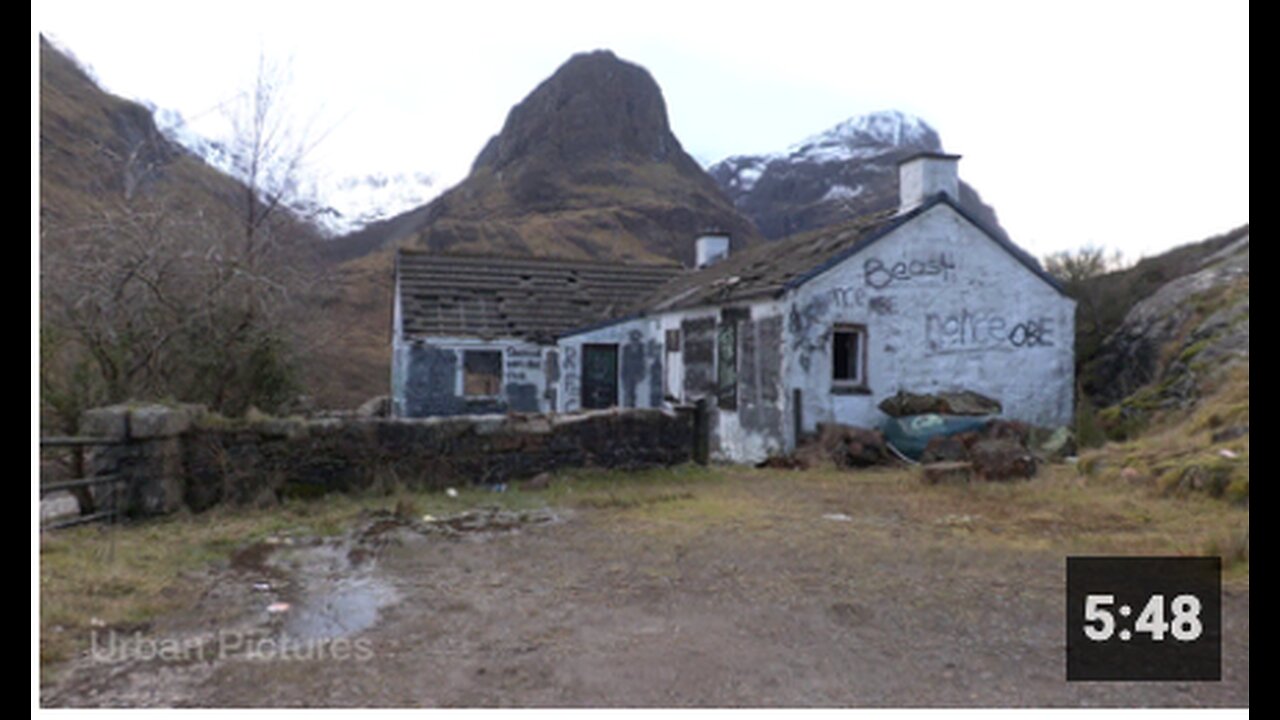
x,y
842,172
337,205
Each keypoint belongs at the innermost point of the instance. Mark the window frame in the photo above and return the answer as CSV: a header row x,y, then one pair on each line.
x,y
858,384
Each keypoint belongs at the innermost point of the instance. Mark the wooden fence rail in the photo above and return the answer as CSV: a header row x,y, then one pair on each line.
x,y
80,486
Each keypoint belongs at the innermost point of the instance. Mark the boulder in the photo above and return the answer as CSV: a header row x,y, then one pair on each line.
x,y
1000,429
964,402
948,448
1002,459
846,446
1060,444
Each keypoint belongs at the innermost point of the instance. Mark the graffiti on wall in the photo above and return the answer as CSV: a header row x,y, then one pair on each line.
x,y
523,365
878,274
856,296
569,368
808,329
979,331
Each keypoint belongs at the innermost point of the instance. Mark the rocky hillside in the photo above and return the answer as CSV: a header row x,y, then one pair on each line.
x,y
846,171
100,153
585,166
1192,327
1172,378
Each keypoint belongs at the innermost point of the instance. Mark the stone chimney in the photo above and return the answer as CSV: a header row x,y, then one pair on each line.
x,y
711,248
925,174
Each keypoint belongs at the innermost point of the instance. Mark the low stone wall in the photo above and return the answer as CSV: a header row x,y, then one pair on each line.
x,y
182,457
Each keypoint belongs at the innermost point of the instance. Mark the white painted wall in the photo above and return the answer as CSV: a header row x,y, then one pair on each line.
x,y
946,308
645,331
925,176
522,363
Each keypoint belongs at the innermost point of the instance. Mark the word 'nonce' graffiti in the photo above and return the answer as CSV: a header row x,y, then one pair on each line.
x,y
969,331
876,274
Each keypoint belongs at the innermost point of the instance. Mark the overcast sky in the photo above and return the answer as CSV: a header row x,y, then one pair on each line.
x,y
1123,124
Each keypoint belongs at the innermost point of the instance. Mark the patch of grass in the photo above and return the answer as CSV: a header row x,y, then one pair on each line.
x,y
1232,546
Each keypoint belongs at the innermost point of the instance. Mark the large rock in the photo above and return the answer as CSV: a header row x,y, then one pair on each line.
x,y
1061,443
948,448
1002,459
964,402
845,446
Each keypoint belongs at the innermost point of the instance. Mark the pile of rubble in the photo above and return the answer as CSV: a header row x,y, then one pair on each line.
x,y
956,437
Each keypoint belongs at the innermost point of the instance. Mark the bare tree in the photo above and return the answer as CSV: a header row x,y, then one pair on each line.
x,y
192,292
1075,266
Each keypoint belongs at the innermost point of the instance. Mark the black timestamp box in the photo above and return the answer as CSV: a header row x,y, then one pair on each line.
x,y
1144,618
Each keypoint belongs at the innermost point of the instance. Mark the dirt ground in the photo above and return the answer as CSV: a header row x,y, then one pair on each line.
x,y
749,588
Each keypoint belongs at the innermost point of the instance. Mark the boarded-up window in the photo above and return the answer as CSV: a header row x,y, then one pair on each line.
x,y
727,366
848,355
481,373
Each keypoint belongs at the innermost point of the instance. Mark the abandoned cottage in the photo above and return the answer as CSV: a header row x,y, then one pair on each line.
x,y
779,337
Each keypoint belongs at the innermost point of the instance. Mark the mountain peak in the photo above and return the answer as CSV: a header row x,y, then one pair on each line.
x,y
844,171
585,166
594,107
866,136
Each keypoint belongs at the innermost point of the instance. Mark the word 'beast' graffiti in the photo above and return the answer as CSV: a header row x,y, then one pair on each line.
x,y
970,331
876,274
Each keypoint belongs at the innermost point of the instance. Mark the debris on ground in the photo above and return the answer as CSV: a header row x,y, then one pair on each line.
x,y
487,519
946,472
479,520
1002,459
844,446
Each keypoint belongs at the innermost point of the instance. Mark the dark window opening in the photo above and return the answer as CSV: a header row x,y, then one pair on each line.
x,y
481,373
673,340
849,356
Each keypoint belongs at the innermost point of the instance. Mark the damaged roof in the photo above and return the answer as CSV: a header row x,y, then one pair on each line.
x,y
527,298
769,269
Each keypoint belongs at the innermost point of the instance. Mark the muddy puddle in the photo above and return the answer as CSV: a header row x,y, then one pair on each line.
x,y
317,589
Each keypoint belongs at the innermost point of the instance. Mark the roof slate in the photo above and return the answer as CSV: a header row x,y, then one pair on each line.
x,y
528,298
539,299
769,269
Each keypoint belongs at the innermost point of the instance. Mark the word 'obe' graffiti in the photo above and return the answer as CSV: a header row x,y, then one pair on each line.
x,y
967,330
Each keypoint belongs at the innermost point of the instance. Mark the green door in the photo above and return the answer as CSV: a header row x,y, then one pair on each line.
x,y
599,376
